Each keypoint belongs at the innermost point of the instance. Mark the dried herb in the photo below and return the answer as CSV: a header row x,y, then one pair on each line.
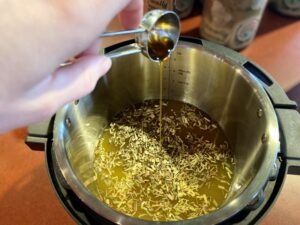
x,y
189,175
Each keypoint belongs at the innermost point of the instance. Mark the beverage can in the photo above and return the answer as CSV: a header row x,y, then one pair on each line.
x,y
232,23
182,7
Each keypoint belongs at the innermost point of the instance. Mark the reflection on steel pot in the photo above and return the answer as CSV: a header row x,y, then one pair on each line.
x,y
208,76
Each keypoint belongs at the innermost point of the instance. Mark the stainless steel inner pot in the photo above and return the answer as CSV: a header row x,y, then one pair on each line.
x,y
194,74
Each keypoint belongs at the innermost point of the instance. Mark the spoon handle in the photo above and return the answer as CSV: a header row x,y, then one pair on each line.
x,y
122,32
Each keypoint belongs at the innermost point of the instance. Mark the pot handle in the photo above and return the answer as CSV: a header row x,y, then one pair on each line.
x,y
38,135
289,121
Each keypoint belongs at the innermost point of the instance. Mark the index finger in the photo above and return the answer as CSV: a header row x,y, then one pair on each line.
x,y
131,16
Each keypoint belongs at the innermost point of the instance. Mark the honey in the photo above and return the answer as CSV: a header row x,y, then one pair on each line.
x,y
159,46
161,70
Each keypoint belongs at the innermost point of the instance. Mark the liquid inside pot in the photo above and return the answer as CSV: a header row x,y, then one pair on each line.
x,y
185,175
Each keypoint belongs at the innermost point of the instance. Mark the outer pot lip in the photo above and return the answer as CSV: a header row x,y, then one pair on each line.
x,y
215,217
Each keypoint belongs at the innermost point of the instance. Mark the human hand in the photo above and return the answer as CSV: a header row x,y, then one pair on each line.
x,y
36,37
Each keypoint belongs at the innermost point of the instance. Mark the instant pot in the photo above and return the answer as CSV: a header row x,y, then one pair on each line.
x,y
259,120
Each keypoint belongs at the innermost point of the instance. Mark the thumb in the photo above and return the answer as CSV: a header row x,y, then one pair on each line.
x,y
79,79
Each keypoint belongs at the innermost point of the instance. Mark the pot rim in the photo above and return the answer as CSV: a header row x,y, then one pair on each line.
x,y
225,212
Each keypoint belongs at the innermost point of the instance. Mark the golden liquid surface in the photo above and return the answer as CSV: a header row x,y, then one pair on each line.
x,y
181,172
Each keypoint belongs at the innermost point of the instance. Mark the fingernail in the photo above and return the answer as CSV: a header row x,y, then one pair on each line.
x,y
106,62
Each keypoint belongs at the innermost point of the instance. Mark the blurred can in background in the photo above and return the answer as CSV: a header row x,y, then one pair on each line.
x,y
232,23
286,7
182,7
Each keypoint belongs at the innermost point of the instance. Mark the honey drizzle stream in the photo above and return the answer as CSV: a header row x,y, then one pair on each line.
x,y
161,67
160,47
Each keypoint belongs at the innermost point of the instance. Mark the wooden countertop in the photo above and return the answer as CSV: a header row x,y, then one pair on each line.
x,y
27,197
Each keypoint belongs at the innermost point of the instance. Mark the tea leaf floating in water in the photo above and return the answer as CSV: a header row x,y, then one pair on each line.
x,y
188,176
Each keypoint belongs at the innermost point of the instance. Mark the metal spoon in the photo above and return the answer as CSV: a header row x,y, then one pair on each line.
x,y
156,37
